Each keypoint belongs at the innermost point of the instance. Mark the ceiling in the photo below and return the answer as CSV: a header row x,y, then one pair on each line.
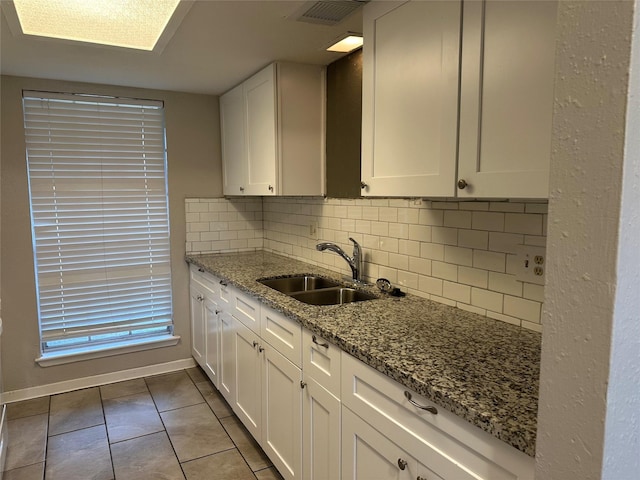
x,y
217,45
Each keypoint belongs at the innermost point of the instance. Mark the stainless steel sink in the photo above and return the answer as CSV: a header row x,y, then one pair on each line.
x,y
332,296
316,290
298,283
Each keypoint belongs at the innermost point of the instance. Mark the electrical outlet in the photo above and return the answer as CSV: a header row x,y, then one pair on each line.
x,y
531,264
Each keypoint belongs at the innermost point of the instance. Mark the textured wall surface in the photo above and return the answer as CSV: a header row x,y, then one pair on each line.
x,y
585,239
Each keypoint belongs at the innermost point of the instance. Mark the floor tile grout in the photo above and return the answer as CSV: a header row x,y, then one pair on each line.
x,y
161,392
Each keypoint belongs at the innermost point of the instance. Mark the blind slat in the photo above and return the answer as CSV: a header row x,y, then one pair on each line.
x,y
100,220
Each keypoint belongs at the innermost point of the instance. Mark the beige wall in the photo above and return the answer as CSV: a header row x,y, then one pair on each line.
x,y
193,146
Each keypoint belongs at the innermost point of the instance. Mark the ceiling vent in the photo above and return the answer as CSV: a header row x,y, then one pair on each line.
x,y
326,12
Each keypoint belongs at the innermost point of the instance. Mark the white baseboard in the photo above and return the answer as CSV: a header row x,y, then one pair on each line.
x,y
94,380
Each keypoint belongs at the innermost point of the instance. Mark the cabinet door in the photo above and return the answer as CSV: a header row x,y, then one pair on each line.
x,y
232,128
321,433
410,98
227,357
212,341
197,324
507,85
369,455
260,104
282,413
247,403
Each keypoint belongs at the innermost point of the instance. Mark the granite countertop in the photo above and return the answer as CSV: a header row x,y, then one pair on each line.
x,y
485,371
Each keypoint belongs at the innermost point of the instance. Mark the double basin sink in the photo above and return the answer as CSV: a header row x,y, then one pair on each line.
x,y
316,290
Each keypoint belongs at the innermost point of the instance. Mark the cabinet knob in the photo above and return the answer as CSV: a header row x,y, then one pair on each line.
x,y
255,344
462,184
201,270
363,185
421,478
200,298
402,464
429,409
218,312
303,384
261,349
315,340
242,189
223,283
271,188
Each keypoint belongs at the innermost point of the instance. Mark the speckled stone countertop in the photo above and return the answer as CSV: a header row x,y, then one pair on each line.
x,y
483,370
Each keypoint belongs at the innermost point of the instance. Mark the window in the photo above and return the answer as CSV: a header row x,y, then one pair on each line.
x,y
100,222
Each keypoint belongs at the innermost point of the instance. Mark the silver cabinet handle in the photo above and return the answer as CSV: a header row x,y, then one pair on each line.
x,y
402,464
429,409
261,349
200,298
315,340
255,344
303,384
271,188
242,189
363,185
462,184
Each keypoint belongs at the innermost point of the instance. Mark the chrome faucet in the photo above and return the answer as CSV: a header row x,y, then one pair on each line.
x,y
355,263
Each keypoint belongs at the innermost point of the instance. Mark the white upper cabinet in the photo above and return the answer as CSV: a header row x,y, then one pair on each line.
x,y
410,97
419,81
506,98
273,132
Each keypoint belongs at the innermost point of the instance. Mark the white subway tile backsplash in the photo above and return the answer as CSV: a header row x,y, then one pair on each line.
x,y
473,239
458,253
444,235
523,223
501,282
446,271
433,251
457,292
457,219
420,233
486,299
492,261
431,217
506,207
473,276
430,285
490,221
522,308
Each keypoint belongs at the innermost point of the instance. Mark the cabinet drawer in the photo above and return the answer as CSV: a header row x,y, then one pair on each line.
x,y
243,307
283,334
443,442
206,280
321,360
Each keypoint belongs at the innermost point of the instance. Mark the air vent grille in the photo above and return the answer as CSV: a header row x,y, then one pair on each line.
x,y
329,12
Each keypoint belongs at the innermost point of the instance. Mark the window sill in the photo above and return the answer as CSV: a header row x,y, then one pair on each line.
x,y
80,354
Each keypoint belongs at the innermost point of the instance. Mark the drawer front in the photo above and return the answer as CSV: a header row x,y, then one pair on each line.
x,y
321,361
206,280
245,308
282,333
443,442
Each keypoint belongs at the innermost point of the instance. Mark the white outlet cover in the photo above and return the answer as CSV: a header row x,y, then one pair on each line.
x,y
528,270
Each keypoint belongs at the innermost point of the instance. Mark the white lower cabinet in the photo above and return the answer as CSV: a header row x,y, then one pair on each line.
x,y
442,442
321,433
368,455
296,394
268,400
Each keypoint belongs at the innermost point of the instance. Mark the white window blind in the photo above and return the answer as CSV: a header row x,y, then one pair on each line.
x,y
100,219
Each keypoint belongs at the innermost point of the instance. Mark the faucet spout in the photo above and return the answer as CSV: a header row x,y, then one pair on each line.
x,y
355,262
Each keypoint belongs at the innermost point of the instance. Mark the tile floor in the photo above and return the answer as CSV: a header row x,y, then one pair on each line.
x,y
171,427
